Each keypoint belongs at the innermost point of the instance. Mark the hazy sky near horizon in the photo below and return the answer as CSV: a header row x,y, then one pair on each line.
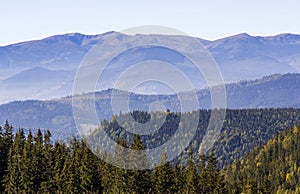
x,y
210,19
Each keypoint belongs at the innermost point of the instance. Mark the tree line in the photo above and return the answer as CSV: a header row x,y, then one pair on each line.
x,y
242,130
253,154
272,168
32,164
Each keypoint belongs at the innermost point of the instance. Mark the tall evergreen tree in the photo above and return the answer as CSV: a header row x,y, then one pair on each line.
x,y
38,161
179,178
60,153
163,177
202,174
90,179
140,180
121,176
48,183
6,141
191,174
28,167
71,174
13,177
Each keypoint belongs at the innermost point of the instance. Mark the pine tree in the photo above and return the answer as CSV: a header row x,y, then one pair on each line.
x,y
6,141
38,161
13,178
163,177
191,174
60,153
233,178
214,180
107,177
71,175
202,174
140,180
28,169
89,175
120,174
179,178
48,183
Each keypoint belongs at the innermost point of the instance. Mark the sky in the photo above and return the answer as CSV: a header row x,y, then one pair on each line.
x,y
210,19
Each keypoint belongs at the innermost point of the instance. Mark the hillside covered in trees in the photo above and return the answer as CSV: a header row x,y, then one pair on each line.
x,y
274,91
242,130
273,168
32,162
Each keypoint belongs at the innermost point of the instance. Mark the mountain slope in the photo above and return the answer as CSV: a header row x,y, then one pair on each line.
x,y
269,92
244,56
35,83
273,168
55,52
239,57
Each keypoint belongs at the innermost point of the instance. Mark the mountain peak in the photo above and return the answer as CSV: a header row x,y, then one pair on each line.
x,y
242,35
289,35
74,34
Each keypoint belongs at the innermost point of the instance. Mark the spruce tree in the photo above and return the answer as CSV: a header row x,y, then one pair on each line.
x,y
163,177
191,174
120,174
179,178
48,183
71,174
202,174
13,178
60,153
38,161
140,180
28,167
90,179
6,141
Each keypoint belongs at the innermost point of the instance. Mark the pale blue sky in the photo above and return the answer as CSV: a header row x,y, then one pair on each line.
x,y
22,20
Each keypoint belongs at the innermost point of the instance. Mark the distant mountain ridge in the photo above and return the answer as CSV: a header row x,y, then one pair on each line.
x,y
240,57
275,91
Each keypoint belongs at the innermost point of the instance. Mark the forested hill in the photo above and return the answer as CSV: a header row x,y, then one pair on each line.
x,y
277,91
32,164
242,130
273,168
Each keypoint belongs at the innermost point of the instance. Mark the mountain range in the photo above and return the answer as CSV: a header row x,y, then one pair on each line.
x,y
275,91
45,69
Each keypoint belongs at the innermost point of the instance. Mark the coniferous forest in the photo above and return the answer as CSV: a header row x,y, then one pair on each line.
x,y
32,163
